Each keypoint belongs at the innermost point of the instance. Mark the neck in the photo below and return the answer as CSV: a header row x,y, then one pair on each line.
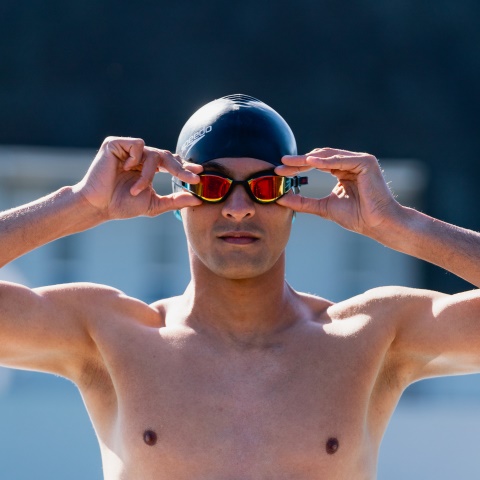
x,y
248,310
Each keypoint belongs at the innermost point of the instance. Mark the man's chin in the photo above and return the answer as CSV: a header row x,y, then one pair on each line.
x,y
238,265
240,271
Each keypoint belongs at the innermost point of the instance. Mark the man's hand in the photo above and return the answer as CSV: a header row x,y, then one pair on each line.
x,y
361,200
119,181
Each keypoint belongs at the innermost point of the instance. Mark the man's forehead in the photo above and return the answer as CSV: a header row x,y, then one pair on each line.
x,y
238,166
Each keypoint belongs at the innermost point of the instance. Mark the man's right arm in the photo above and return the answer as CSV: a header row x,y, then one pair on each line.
x,y
118,185
43,329
59,214
47,329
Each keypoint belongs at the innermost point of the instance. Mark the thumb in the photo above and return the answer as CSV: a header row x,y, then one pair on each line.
x,y
173,201
301,204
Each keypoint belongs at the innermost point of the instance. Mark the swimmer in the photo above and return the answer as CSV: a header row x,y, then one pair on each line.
x,y
241,376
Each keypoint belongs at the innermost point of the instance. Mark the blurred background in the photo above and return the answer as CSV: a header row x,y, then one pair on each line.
x,y
395,78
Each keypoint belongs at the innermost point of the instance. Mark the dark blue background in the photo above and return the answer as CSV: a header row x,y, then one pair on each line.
x,y
396,78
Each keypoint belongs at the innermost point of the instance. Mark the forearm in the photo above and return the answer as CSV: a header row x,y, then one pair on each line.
x,y
453,248
61,213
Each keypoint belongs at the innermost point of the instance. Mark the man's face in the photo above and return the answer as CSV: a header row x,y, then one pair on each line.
x,y
237,238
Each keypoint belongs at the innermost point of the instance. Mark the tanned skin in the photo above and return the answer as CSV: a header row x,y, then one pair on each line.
x,y
241,377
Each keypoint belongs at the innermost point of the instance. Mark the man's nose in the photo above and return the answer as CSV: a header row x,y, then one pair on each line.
x,y
238,204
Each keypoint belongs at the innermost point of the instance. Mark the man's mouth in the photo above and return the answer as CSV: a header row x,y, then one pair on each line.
x,y
238,238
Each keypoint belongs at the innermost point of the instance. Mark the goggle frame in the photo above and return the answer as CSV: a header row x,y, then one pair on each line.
x,y
287,183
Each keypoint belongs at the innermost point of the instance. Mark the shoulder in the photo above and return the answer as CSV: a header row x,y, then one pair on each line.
x,y
96,301
79,288
385,304
389,295
83,295
379,301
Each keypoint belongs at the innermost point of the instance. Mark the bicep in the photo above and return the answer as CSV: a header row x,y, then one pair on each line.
x,y
439,334
41,329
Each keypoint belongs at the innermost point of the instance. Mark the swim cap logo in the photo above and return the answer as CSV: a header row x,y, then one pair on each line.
x,y
195,137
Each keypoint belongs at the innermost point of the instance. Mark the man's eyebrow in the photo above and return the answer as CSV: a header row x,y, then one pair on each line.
x,y
218,167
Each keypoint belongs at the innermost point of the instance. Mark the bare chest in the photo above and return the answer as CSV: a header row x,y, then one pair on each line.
x,y
291,412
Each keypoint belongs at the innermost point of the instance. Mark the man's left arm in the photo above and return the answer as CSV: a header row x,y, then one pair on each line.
x,y
362,202
436,334
430,333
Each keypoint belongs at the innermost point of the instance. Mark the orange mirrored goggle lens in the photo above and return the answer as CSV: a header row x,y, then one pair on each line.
x,y
267,189
211,188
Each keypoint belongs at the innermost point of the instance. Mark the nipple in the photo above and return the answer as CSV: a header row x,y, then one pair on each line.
x,y
150,437
332,445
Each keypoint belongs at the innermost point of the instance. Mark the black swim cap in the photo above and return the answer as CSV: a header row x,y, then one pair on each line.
x,y
236,126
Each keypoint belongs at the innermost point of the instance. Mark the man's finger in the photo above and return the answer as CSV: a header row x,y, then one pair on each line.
x,y
301,204
285,171
192,167
326,152
126,148
149,168
173,201
294,160
356,164
168,162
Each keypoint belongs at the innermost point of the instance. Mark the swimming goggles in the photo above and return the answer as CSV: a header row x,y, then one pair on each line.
x,y
263,187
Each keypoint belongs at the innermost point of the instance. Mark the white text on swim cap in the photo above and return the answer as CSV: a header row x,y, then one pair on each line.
x,y
195,137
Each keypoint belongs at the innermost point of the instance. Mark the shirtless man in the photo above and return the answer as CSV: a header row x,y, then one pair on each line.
x,y
241,377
